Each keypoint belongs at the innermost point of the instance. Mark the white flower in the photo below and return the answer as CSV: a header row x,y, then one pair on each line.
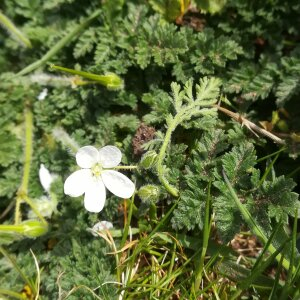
x,y
103,225
100,226
95,175
46,178
45,205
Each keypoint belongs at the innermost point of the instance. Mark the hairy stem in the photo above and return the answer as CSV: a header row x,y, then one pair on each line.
x,y
125,167
11,28
162,153
22,192
35,210
12,228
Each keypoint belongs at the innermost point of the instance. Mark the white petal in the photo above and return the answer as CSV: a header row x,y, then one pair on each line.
x,y
110,156
43,94
103,225
118,184
95,195
45,177
77,183
87,156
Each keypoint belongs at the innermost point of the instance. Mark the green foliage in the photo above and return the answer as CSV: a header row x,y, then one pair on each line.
x,y
187,106
267,201
190,211
289,83
158,100
238,163
163,45
213,52
89,270
176,61
282,201
85,43
253,81
199,171
10,148
9,182
211,6
263,199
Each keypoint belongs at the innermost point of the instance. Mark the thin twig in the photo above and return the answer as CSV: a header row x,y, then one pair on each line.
x,y
250,125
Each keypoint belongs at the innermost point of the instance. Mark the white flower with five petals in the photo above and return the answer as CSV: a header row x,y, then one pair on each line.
x,y
95,175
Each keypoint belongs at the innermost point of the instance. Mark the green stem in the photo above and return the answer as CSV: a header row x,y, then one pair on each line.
x,y
162,153
28,149
9,25
22,192
293,172
62,136
269,168
153,213
125,167
63,42
172,260
118,233
17,268
12,228
124,238
109,80
146,240
270,155
206,232
12,294
35,210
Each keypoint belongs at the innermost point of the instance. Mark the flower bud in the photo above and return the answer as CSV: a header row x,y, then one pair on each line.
x,y
34,228
112,81
149,192
148,160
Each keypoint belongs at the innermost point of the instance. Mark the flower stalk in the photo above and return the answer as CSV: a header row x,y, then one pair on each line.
x,y
22,192
12,29
161,156
110,80
125,167
63,42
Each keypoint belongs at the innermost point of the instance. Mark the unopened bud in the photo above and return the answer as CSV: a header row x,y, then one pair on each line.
x,y
112,81
149,192
148,160
34,228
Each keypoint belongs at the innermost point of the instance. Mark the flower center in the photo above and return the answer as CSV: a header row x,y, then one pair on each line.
x,y
96,170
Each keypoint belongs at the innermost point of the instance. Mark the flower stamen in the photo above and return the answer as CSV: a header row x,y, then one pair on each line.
x,y
96,170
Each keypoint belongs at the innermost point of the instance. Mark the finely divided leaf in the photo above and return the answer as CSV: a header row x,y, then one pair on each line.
x,y
238,163
10,149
